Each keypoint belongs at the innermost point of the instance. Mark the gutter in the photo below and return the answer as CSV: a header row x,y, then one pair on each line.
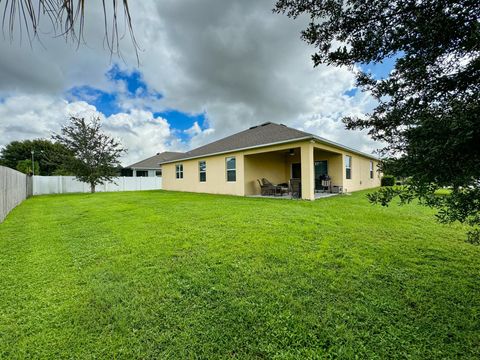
x,y
311,137
343,147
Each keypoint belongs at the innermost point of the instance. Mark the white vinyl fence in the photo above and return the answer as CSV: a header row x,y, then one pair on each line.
x,y
14,188
68,184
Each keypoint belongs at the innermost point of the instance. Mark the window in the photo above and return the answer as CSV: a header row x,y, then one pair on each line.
x,y
231,169
371,169
158,172
296,171
202,171
142,173
348,167
179,171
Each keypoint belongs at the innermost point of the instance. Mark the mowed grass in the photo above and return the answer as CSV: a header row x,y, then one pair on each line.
x,y
178,275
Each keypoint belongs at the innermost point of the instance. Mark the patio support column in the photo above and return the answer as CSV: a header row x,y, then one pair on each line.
x,y
307,160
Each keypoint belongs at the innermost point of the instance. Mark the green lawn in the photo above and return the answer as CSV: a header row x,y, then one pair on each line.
x,y
176,275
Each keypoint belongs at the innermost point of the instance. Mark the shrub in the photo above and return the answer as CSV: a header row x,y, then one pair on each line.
x,y
388,180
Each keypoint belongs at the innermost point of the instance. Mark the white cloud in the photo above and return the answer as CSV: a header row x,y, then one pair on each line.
x,y
235,61
29,117
194,130
143,134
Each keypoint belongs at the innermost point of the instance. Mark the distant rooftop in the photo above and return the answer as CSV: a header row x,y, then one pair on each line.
x,y
154,161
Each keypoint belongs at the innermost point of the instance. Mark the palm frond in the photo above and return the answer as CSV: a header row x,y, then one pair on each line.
x,y
67,18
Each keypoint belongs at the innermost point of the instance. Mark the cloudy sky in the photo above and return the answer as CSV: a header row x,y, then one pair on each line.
x,y
207,69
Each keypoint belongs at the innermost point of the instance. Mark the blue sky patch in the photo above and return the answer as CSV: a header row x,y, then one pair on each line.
x,y
134,83
383,69
133,87
182,121
351,92
378,70
108,102
105,102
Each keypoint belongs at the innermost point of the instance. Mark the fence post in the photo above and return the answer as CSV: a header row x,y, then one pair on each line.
x,y
29,186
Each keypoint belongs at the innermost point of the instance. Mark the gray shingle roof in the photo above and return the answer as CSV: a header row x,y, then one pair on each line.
x,y
264,134
154,161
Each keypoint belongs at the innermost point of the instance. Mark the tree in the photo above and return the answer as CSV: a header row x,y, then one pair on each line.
x,y
67,18
25,166
96,156
428,108
50,156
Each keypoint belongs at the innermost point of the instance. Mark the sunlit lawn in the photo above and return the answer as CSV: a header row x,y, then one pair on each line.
x,y
178,275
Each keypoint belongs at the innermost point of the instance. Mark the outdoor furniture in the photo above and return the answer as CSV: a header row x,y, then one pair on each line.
x,y
283,188
337,189
266,189
277,189
296,188
323,183
326,183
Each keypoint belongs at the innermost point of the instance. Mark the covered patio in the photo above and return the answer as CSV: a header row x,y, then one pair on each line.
x,y
288,196
307,171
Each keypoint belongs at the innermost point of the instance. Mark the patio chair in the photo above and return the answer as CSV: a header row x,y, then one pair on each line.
x,y
277,189
296,188
266,189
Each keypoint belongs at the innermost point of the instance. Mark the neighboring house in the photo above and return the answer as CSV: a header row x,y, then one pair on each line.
x,y
276,152
150,166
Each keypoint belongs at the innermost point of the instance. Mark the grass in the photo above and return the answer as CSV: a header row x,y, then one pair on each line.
x,y
177,275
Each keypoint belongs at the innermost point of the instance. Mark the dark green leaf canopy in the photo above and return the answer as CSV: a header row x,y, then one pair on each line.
x,y
428,110
96,156
49,155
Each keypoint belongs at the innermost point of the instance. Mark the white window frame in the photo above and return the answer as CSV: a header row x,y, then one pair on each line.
x,y
200,171
227,169
348,166
371,170
178,171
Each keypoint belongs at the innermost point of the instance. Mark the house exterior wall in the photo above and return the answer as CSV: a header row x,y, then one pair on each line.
x,y
360,174
259,171
277,167
292,159
272,166
271,163
334,164
334,161
335,168
216,182
216,172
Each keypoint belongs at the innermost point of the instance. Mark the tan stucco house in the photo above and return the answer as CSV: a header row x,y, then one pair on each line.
x,y
233,165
